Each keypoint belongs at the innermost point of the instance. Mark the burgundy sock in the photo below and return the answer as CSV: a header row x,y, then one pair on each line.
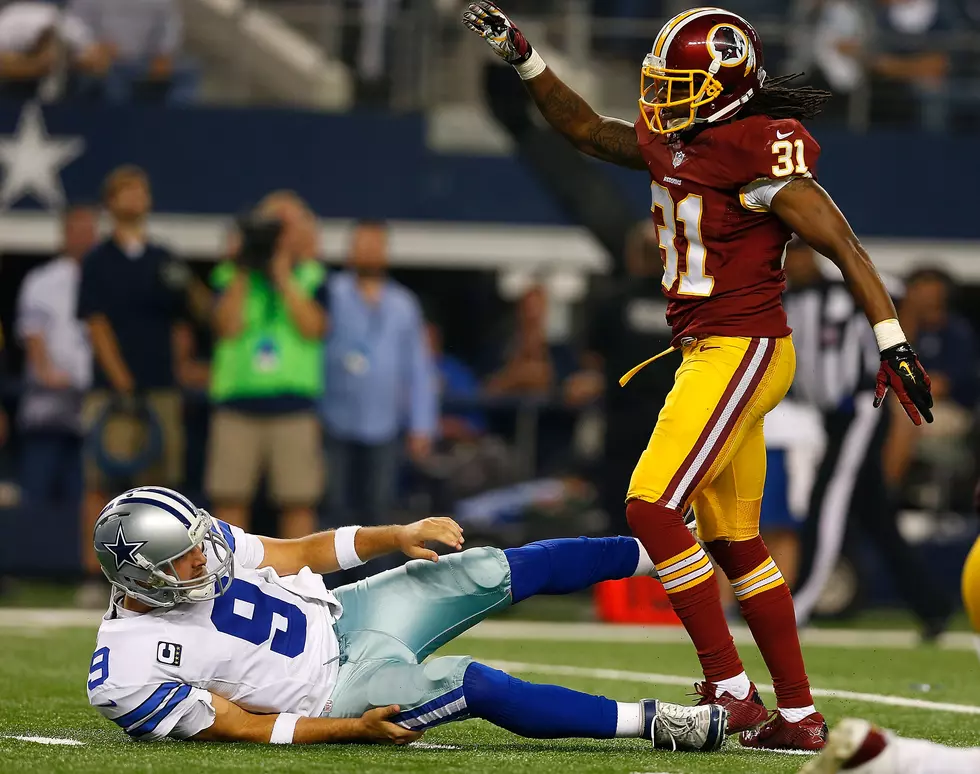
x,y
767,607
688,577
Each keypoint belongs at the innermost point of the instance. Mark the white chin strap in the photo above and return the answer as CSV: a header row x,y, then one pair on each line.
x,y
728,111
735,106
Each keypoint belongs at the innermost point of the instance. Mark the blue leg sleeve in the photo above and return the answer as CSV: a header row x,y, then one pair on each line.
x,y
536,711
564,566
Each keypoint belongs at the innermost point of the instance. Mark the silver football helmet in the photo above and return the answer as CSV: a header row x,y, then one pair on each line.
x,y
140,533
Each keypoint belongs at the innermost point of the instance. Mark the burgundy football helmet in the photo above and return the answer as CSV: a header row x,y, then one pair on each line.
x,y
705,64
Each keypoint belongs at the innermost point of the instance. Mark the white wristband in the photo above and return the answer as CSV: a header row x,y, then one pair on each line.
x,y
532,68
282,730
343,543
889,334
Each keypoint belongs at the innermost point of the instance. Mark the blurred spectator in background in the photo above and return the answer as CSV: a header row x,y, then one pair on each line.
x,y
532,367
944,340
36,39
367,44
627,325
379,382
947,348
132,295
971,8
57,373
533,377
837,365
144,39
911,67
4,420
456,382
267,373
466,460
840,32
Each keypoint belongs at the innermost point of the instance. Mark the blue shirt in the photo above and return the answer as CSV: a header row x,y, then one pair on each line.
x,y
951,351
142,298
379,378
459,382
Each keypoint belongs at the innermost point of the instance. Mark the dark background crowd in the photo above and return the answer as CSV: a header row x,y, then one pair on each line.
x,y
287,397
890,62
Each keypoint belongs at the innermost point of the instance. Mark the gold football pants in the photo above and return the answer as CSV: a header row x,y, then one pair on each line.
x,y
708,449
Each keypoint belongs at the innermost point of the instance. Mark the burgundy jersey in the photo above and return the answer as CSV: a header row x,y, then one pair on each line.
x,y
722,249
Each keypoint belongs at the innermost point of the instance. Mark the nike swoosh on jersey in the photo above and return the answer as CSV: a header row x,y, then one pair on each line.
x,y
107,704
782,136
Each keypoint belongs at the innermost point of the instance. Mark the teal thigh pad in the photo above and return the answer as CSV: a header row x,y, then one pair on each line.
x,y
408,613
379,683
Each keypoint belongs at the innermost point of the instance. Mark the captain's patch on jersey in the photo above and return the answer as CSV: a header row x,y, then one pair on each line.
x,y
169,653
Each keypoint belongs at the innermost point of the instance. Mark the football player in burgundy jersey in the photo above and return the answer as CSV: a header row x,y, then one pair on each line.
x,y
732,178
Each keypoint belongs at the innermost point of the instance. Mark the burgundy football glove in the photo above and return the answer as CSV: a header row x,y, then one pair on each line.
x,y
901,371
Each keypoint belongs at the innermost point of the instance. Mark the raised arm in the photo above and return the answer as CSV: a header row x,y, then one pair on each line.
x,y
609,139
809,211
234,724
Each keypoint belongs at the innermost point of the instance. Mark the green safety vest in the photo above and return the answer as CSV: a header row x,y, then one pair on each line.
x,y
269,357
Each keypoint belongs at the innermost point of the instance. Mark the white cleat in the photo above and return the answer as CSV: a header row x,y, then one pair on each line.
x,y
679,727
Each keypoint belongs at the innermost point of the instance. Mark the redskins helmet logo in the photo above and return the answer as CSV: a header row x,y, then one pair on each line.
x,y
728,45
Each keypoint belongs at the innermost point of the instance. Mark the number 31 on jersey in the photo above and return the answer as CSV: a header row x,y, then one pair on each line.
x,y
694,280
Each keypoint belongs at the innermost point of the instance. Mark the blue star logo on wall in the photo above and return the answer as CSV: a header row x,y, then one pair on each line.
x,y
123,550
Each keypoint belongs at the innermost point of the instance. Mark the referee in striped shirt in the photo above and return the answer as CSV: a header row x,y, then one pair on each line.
x,y
837,361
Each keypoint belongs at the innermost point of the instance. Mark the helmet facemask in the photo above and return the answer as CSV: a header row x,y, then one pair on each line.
x,y
669,99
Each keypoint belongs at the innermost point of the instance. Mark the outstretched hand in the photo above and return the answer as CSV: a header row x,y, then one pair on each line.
x,y
413,537
501,34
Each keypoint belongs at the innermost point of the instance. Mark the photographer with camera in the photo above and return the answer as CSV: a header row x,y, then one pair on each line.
x,y
267,373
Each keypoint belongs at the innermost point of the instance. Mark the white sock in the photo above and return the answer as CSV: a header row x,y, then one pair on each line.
x,y
645,565
629,720
738,686
796,714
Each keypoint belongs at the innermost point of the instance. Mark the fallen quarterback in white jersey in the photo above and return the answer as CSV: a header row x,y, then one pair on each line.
x,y
214,634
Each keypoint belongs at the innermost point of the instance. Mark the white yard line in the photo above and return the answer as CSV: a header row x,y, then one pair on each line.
x,y
46,740
658,679
595,632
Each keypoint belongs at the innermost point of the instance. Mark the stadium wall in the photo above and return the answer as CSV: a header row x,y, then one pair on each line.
x,y
215,162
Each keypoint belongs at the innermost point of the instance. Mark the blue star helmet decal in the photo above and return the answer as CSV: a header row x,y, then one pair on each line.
x,y
123,550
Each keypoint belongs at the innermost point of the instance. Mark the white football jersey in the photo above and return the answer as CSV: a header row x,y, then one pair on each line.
x,y
267,644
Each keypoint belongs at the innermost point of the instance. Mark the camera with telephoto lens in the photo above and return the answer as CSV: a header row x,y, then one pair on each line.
x,y
259,238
